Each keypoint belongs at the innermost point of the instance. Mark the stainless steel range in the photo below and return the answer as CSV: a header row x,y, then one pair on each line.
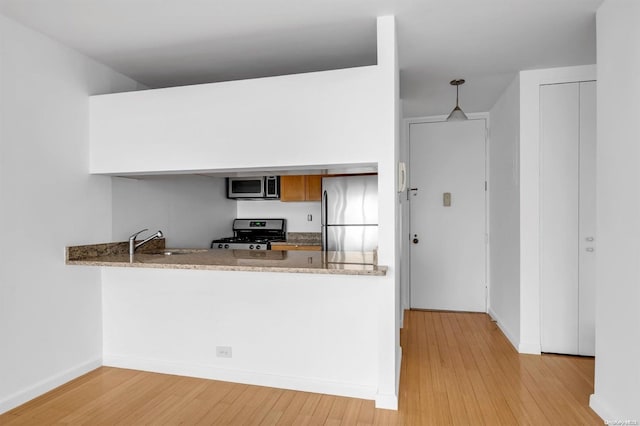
x,y
253,234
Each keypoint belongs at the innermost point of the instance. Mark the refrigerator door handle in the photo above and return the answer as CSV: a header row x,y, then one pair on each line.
x,y
323,220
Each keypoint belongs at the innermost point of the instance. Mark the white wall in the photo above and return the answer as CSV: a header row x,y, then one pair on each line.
x,y
320,118
190,210
529,160
295,213
311,332
50,314
514,191
387,145
617,377
504,212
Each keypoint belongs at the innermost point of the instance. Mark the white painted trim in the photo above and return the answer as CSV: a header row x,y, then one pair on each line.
x,y
601,408
439,118
305,384
531,348
398,369
48,384
389,401
487,211
508,334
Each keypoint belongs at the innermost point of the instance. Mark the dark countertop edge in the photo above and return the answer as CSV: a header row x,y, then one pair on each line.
x,y
296,243
379,271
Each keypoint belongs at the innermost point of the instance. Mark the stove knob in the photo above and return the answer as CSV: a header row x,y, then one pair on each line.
x,y
258,247
226,246
251,247
219,245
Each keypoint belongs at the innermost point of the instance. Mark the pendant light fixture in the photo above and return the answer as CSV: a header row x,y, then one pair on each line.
x,y
457,114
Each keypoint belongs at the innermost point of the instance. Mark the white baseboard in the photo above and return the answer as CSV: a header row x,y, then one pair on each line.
x,y
387,401
44,386
510,337
204,371
522,347
398,369
529,348
601,408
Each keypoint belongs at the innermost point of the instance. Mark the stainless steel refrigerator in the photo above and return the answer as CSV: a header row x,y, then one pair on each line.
x,y
350,213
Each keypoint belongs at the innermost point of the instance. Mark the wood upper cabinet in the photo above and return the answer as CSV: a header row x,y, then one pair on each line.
x,y
314,188
301,188
292,188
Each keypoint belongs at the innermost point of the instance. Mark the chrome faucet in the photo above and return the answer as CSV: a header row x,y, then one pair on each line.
x,y
132,240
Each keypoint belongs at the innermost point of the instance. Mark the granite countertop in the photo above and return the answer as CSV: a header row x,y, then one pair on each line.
x,y
301,239
157,256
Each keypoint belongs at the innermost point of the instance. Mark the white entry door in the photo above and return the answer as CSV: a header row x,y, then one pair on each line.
x,y
448,215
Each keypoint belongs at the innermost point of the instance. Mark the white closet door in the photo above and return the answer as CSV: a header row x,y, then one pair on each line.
x,y
559,219
587,280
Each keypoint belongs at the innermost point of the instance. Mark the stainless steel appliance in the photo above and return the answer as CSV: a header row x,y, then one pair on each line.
x,y
253,234
259,187
350,213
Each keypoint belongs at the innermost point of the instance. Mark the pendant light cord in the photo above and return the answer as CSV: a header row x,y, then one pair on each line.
x,y
457,113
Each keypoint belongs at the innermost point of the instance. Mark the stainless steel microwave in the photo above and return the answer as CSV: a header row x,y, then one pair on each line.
x,y
259,187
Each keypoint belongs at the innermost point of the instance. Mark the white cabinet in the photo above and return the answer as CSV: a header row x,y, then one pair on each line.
x,y
567,217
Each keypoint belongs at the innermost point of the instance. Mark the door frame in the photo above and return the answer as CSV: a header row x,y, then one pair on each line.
x,y
405,284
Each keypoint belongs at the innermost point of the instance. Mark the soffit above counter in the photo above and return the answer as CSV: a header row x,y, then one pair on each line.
x,y
335,169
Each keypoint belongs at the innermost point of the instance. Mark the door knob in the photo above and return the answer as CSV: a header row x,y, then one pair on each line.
x,y
589,249
589,238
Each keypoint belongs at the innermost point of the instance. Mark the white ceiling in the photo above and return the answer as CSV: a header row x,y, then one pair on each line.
x,y
175,42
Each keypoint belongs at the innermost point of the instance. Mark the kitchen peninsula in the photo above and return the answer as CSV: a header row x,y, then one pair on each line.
x,y
281,324
157,256
286,319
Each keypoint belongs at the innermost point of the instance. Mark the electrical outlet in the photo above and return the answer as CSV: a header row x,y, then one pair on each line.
x,y
223,351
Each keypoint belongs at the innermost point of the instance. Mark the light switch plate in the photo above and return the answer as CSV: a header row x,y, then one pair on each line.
x,y
223,351
446,199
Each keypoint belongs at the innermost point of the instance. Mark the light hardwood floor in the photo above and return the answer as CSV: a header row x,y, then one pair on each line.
x,y
458,368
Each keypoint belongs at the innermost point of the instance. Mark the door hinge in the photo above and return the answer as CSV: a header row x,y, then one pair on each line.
x,y
486,238
485,185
